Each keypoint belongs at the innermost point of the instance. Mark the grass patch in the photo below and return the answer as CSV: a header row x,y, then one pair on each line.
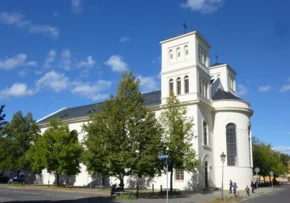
x,y
16,185
227,200
125,197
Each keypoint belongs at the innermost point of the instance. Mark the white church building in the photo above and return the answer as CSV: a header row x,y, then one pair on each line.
x,y
221,118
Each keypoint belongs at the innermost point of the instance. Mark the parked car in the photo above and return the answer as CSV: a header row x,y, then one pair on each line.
x,y
16,179
4,179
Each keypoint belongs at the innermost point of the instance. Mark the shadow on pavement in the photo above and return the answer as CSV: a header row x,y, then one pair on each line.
x,y
83,200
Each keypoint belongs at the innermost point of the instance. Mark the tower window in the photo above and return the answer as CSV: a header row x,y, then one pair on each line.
x,y
178,52
179,174
203,87
170,86
171,54
231,144
202,56
186,50
205,133
178,85
186,84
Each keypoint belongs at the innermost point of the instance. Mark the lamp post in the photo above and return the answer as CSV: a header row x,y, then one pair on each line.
x,y
164,156
272,174
223,158
257,170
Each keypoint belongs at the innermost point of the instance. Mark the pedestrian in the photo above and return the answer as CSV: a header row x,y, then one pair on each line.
x,y
235,186
253,186
231,186
248,190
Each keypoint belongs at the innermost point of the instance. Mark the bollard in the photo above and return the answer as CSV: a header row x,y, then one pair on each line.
x,y
152,187
160,188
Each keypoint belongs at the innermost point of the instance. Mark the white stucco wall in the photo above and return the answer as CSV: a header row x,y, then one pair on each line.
x,y
241,173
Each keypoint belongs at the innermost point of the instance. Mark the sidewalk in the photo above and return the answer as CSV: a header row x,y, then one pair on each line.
x,y
197,197
207,197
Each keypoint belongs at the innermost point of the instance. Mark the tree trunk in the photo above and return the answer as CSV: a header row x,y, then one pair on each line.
x,y
171,180
121,182
57,179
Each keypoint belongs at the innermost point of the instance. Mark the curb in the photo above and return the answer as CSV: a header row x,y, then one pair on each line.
x,y
261,194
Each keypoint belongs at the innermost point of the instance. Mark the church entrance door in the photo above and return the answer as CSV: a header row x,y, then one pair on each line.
x,y
206,174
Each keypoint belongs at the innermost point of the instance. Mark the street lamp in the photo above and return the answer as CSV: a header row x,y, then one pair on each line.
x,y
272,174
223,158
257,170
164,156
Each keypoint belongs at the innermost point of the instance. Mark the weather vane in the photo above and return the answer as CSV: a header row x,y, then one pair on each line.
x,y
185,27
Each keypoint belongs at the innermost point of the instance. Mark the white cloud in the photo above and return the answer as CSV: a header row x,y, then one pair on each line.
x,y
242,90
124,39
91,90
15,62
56,81
283,149
50,59
90,62
77,6
16,90
55,13
66,59
22,73
265,88
148,84
117,64
157,60
19,21
288,133
203,6
285,88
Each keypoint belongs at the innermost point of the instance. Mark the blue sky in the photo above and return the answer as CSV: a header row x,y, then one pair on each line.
x,y
65,53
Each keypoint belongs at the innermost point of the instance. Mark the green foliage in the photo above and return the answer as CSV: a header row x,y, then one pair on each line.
x,y
58,150
2,117
268,159
19,135
123,197
178,137
123,137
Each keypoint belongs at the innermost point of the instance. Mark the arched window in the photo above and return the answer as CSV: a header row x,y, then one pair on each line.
x,y
170,54
205,133
186,84
178,53
186,50
170,86
249,136
231,144
178,86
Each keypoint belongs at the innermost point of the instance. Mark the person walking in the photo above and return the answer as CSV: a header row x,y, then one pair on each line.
x,y
248,190
253,186
235,186
231,186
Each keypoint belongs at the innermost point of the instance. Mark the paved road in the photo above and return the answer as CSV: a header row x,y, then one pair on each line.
x,y
45,196
279,196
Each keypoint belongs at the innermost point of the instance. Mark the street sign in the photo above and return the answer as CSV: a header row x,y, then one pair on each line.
x,y
163,156
271,173
257,170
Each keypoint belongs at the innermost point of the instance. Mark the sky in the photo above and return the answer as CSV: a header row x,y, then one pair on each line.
x,y
66,53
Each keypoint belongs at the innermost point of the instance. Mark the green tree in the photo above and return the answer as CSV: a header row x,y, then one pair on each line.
x,y
18,136
2,117
178,137
268,159
58,150
123,137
